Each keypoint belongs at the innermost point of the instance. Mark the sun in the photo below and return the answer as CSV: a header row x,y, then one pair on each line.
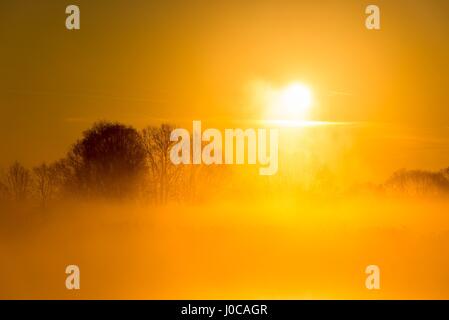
x,y
291,102
295,98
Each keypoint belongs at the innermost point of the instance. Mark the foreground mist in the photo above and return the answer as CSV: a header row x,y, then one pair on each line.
x,y
140,227
282,248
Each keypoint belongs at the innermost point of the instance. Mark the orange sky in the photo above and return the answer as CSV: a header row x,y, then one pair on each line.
x,y
183,60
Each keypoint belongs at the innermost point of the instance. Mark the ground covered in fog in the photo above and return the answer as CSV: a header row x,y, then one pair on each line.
x,y
281,248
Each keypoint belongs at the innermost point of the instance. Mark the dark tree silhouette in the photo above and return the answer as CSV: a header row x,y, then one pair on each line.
x,y
17,182
163,174
46,181
418,182
445,173
108,161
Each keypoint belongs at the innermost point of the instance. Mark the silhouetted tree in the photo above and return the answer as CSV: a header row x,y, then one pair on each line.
x,y
445,173
46,181
108,161
163,173
3,191
418,182
17,182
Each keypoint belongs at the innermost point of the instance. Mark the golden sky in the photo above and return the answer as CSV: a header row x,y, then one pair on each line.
x,y
380,102
142,62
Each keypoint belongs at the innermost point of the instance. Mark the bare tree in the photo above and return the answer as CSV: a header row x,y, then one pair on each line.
x,y
46,182
3,191
418,182
17,181
163,173
445,173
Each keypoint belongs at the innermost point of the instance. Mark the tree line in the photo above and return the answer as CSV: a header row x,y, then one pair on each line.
x,y
419,182
111,160
115,161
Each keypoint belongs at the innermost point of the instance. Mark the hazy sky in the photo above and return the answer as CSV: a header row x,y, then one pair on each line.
x,y
141,61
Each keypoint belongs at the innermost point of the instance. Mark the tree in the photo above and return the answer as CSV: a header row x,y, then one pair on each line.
x,y
162,172
445,173
418,182
3,191
46,181
108,161
17,181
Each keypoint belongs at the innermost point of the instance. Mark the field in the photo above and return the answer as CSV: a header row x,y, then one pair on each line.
x,y
283,249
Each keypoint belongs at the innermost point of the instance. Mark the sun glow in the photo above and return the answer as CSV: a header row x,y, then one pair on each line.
x,y
289,103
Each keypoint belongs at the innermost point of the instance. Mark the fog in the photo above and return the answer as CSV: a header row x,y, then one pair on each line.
x,y
306,248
